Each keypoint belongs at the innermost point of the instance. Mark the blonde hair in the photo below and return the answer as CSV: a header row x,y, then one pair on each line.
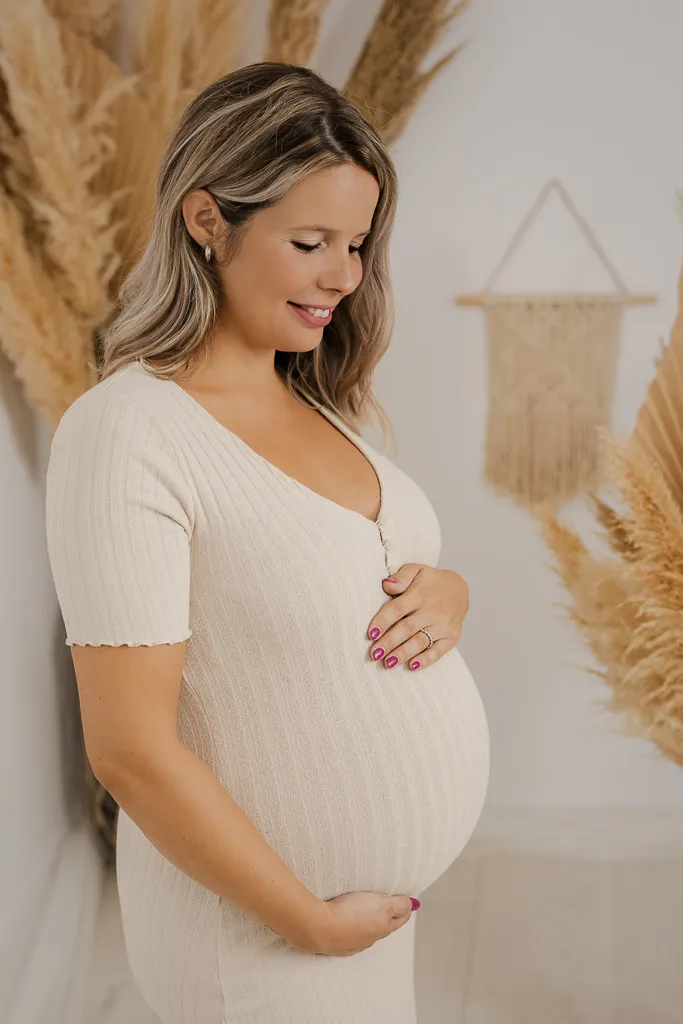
x,y
247,139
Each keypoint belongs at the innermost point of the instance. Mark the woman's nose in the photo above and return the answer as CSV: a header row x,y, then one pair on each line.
x,y
341,276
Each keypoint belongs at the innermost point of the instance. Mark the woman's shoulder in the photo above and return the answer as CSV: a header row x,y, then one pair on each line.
x,y
129,386
131,406
117,430
124,415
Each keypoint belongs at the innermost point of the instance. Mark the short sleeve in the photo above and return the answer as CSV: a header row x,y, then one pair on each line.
x,y
119,521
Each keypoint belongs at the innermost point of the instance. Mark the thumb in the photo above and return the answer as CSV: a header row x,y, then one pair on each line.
x,y
396,582
411,904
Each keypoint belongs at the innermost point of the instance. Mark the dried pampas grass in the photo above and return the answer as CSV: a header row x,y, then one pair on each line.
x,y
158,37
386,80
180,47
613,525
629,608
16,173
293,28
600,593
47,345
67,142
96,20
212,48
651,688
127,178
659,424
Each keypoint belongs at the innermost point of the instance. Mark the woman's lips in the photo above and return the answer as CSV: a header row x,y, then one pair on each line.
x,y
312,321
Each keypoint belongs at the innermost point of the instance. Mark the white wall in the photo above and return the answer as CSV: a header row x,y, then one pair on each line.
x,y
50,870
587,92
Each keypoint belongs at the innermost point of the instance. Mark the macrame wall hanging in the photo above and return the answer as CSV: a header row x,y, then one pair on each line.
x,y
551,367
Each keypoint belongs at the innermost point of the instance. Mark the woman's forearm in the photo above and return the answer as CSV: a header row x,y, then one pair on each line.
x,y
183,809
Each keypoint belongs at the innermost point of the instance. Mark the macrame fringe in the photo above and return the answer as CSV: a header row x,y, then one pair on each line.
x,y
551,376
535,459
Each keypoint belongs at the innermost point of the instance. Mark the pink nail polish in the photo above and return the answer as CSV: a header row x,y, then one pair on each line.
x,y
391,579
414,664
392,661
378,653
374,633
415,902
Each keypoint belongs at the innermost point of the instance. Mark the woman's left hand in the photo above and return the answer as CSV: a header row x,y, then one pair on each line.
x,y
437,599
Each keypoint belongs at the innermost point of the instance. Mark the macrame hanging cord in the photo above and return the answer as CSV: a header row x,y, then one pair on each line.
x,y
551,362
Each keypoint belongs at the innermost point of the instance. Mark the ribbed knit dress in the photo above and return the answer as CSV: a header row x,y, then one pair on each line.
x,y
162,526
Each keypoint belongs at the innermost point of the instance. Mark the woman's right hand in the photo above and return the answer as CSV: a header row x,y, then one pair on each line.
x,y
355,920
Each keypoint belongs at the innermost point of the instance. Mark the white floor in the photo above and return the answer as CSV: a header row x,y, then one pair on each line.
x,y
509,940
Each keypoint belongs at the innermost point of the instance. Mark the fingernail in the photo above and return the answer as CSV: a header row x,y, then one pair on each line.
x,y
374,633
393,660
415,664
378,653
415,903
391,579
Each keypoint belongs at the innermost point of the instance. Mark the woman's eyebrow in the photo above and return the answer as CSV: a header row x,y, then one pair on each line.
x,y
327,231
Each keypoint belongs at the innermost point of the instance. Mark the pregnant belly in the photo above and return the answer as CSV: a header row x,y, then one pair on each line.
x,y
364,777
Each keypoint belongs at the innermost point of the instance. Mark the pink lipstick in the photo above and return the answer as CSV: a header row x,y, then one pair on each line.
x,y
312,321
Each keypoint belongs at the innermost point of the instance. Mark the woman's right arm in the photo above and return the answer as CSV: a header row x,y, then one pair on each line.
x,y
128,698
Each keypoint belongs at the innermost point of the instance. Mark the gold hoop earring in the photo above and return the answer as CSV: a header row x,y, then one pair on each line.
x,y
208,252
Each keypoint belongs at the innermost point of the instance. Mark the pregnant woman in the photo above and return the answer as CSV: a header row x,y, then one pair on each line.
x,y
294,741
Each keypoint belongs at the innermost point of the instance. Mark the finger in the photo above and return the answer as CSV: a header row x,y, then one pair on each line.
x,y
392,612
428,657
401,631
398,635
402,578
415,643
413,650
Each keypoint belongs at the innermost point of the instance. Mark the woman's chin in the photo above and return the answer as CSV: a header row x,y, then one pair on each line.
x,y
290,344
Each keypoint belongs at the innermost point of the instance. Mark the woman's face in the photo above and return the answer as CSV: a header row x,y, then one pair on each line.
x,y
303,250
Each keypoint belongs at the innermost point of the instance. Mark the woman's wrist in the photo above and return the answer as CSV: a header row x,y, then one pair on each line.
x,y
310,929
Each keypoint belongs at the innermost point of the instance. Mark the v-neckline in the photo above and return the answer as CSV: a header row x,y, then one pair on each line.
x,y
335,420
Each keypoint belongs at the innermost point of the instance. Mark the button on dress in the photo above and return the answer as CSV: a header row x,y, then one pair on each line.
x,y
163,525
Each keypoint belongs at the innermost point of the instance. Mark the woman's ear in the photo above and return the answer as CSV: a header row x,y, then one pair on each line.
x,y
201,215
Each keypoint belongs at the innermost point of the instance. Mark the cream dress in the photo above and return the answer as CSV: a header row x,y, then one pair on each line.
x,y
163,525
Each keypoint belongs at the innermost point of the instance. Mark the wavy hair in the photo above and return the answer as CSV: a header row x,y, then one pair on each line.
x,y
247,139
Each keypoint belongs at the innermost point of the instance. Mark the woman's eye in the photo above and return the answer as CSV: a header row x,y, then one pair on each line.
x,y
311,248
304,247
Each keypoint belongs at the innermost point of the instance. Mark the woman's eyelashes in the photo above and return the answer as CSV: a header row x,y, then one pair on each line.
x,y
312,248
